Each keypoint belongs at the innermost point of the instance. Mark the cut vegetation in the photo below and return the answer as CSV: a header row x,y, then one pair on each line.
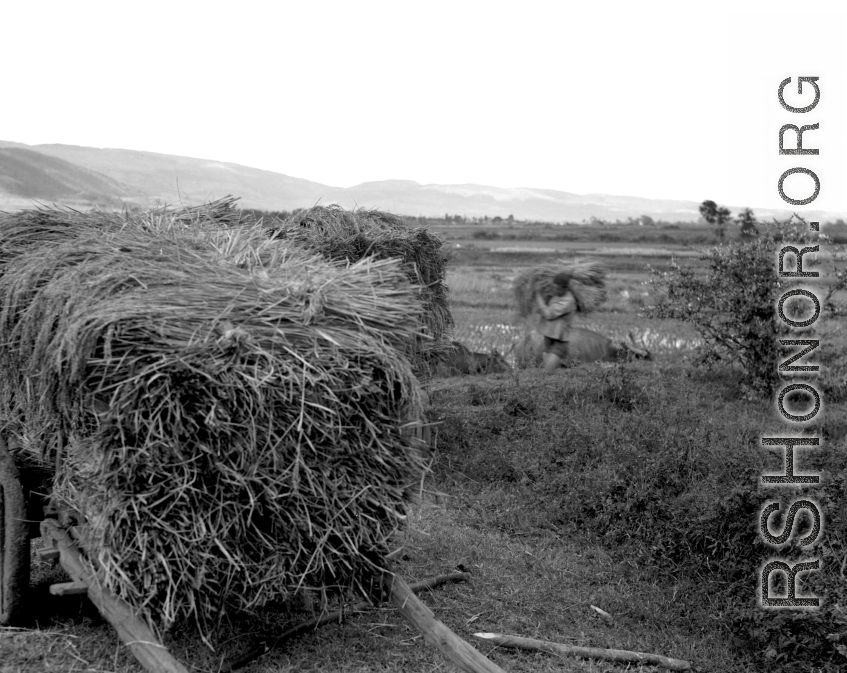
x,y
262,406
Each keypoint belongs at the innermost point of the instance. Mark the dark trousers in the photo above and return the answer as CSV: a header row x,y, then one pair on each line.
x,y
556,347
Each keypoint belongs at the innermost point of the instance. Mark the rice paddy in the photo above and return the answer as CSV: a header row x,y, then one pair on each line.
x,y
485,316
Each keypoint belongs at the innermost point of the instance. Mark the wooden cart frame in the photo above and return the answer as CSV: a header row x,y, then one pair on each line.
x,y
23,517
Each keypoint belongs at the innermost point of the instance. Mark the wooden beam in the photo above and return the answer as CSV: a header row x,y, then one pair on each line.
x,y
68,588
588,652
132,629
434,631
47,553
14,541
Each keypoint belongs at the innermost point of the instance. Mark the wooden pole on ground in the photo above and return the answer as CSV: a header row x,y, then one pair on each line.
x,y
589,652
132,630
436,633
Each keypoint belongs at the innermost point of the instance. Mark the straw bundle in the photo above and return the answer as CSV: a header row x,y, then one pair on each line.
x,y
350,235
232,408
588,284
31,229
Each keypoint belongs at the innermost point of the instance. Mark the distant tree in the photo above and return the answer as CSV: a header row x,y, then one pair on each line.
x,y
497,219
718,216
510,219
747,221
708,211
646,221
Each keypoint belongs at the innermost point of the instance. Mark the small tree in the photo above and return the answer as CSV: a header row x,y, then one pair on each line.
x,y
718,216
747,221
733,307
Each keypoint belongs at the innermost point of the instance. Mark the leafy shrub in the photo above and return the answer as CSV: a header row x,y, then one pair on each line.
x,y
799,640
832,381
734,306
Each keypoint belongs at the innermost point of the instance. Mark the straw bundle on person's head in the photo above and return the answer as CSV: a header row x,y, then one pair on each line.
x,y
587,281
350,235
232,408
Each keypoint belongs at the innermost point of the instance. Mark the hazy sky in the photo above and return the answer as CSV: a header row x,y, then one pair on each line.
x,y
656,99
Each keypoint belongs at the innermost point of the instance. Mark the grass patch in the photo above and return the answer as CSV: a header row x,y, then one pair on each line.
x,y
659,466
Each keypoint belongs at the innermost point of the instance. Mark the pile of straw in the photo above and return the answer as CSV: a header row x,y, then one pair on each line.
x,y
231,408
350,235
588,284
31,229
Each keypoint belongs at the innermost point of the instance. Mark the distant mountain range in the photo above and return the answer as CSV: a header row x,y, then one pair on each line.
x,y
86,176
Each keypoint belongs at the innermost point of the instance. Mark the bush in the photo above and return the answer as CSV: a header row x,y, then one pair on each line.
x,y
796,640
485,234
734,306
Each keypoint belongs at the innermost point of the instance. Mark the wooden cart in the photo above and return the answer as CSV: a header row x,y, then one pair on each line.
x,y
21,511
25,513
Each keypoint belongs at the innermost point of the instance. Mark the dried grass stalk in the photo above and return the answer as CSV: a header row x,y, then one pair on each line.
x,y
233,406
588,284
27,230
351,235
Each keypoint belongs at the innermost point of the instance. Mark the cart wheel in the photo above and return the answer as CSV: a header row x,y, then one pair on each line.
x,y
14,540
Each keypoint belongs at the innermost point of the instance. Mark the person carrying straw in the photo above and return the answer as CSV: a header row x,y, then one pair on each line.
x,y
555,309
549,296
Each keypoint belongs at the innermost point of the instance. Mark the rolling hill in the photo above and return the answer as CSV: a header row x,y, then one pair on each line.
x,y
85,176
28,174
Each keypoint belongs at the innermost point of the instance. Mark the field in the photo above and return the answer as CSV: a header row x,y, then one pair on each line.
x,y
556,493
